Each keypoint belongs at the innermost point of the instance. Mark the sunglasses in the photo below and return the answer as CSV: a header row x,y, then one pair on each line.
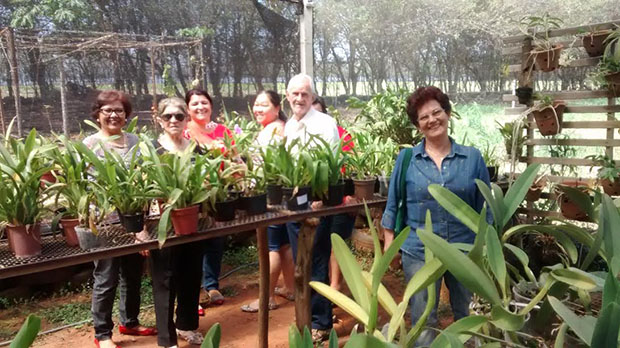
x,y
168,117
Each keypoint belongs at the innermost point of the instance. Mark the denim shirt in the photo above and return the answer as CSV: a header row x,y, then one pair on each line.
x,y
458,172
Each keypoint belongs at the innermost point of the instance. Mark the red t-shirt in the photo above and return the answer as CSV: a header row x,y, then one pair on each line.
x,y
218,135
346,136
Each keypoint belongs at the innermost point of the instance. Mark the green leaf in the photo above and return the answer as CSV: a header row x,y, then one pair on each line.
x,y
506,320
611,290
366,341
524,259
559,338
294,337
583,327
455,206
574,277
495,257
492,202
516,193
333,339
611,239
342,301
351,271
212,338
471,323
27,333
607,326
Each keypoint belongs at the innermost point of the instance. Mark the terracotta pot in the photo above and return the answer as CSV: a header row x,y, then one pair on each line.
x,y
533,194
362,240
299,200
47,179
546,120
364,189
594,43
611,188
185,220
570,209
68,229
335,195
88,240
548,60
254,205
274,194
613,83
24,242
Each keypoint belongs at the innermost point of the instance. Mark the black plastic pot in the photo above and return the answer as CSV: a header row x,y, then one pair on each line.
x,y
493,171
132,222
335,194
274,194
225,211
349,187
524,94
254,205
299,201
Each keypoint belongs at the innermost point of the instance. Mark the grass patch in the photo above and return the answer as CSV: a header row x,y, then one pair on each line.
x,y
242,255
66,314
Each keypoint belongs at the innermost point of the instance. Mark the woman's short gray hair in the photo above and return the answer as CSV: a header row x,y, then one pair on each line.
x,y
174,101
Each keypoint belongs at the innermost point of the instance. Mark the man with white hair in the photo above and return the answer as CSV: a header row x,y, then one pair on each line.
x,y
306,120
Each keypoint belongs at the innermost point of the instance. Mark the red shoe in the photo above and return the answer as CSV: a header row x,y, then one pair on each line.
x,y
97,344
201,311
147,331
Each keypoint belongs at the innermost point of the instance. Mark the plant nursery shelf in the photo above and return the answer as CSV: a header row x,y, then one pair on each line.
x,y
56,254
561,161
577,109
568,95
574,142
587,124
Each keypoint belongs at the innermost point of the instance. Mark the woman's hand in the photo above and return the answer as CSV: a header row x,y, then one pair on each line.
x,y
388,238
141,237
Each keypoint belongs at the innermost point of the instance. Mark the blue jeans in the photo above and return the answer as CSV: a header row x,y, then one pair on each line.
x,y
459,298
320,307
277,236
212,262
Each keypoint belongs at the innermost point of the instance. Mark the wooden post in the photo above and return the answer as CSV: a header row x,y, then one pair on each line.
x,y
203,70
15,78
303,272
263,287
611,116
154,85
63,98
305,38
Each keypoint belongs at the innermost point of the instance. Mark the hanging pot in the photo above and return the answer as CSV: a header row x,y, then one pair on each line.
x,y
594,43
274,194
548,60
225,211
68,229
533,194
549,119
524,95
132,222
335,194
349,187
613,83
611,188
24,241
185,220
254,205
297,201
364,189
493,170
88,240
568,207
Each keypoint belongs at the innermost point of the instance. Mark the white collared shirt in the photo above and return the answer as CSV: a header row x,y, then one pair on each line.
x,y
315,123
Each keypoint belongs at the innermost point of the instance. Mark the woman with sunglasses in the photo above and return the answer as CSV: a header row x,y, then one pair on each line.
x,y
111,110
175,270
210,135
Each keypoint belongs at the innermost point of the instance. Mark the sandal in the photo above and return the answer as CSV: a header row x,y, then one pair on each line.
x,y
319,336
216,297
253,307
192,337
282,293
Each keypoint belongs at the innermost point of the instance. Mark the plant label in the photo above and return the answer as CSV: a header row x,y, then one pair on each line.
x,y
303,199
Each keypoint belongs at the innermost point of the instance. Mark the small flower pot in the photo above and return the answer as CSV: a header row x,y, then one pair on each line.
x,y
68,229
493,171
349,187
594,43
524,95
568,207
274,194
297,201
613,83
132,222
254,205
549,120
611,188
548,61
384,184
364,189
185,220
88,240
335,195
24,241
47,179
533,194
225,211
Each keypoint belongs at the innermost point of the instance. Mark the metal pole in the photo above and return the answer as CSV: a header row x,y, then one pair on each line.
x,y
305,39
15,77
63,98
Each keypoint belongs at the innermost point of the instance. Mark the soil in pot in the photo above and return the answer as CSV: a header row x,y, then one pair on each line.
x,y
88,240
364,189
548,60
299,200
225,211
132,222
335,195
25,241
524,95
594,44
274,194
254,205
68,229
349,187
493,170
185,220
611,188
549,120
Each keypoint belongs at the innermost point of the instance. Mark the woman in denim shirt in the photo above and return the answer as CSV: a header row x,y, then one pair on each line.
x,y
435,160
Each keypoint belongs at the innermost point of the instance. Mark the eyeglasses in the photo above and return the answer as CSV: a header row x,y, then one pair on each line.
x,y
168,117
435,114
109,112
